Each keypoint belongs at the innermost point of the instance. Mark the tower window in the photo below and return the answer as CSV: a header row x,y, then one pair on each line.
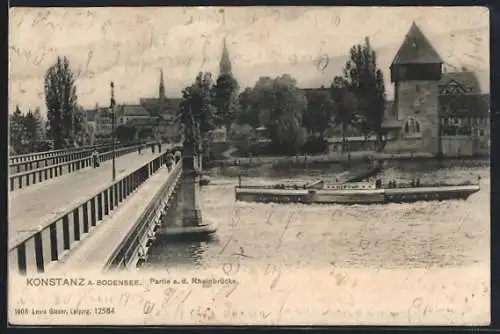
x,y
412,126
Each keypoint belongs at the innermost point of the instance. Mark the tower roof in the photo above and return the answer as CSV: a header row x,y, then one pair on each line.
x,y
416,49
161,87
225,62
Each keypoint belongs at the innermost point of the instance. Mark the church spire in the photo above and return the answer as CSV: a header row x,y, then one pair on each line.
x,y
162,86
225,63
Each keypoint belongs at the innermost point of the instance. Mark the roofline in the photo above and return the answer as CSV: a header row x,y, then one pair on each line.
x,y
413,63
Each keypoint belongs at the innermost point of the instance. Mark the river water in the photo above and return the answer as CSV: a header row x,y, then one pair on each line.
x,y
359,239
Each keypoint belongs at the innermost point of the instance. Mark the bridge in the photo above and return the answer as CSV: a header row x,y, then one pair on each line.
x,y
64,214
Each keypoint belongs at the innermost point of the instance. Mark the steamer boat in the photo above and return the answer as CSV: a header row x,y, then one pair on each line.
x,y
355,192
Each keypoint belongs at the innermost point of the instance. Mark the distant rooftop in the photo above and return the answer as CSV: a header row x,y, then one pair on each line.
x,y
467,79
134,110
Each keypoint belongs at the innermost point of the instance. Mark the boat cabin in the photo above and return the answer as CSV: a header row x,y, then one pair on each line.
x,y
353,186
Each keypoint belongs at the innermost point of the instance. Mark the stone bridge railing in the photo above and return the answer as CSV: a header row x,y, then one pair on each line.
x,y
27,165
38,249
136,243
48,154
25,179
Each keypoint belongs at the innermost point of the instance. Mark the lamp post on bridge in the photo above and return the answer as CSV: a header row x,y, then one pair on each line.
x,y
112,108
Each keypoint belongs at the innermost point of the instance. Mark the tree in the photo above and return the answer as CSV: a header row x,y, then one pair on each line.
x,y
320,112
242,137
225,91
346,112
366,82
41,124
33,124
81,133
17,132
61,101
245,110
126,133
196,111
281,106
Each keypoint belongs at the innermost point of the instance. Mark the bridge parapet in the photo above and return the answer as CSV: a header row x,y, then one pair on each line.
x,y
24,166
25,179
48,154
36,250
134,247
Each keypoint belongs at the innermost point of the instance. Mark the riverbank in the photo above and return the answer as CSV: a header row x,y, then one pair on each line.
x,y
307,160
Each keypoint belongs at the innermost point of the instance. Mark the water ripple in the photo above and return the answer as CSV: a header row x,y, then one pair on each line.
x,y
427,234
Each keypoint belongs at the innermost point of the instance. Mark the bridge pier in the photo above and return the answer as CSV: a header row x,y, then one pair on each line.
x,y
190,185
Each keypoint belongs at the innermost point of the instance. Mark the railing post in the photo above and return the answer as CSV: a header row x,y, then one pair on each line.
x,y
130,184
93,216
111,198
66,232
85,209
106,202
99,207
76,224
115,191
39,253
21,258
121,185
53,242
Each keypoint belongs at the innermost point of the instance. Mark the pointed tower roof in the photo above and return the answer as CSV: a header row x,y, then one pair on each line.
x,y
416,49
162,86
225,63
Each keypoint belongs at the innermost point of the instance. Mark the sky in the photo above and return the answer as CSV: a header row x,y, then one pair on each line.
x,y
130,45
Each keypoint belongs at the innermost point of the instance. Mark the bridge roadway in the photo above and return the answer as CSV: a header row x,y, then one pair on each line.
x,y
32,206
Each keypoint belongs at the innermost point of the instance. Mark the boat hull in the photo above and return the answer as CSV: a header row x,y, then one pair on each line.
x,y
368,196
360,197
410,195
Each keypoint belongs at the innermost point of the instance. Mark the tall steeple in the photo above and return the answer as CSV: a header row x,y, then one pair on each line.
x,y
225,63
162,87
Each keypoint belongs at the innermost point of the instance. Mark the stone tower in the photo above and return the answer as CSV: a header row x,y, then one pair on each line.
x,y
161,88
225,62
415,72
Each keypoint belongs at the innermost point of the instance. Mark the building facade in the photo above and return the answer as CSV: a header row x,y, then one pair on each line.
x,y
434,112
163,112
153,117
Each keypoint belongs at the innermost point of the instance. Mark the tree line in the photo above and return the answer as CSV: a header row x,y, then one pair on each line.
x,y
65,123
291,116
26,131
